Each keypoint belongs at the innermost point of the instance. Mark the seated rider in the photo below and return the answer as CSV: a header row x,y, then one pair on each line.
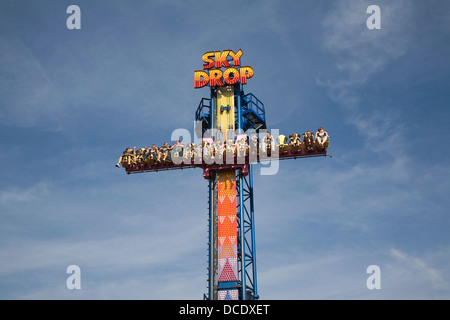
x,y
267,141
177,150
154,153
207,151
198,151
308,141
217,149
127,158
140,156
322,139
229,147
193,151
164,150
242,147
188,151
295,141
254,144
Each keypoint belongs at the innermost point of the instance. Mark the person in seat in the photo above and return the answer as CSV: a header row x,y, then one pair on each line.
x,y
177,150
198,151
194,151
188,152
140,156
165,152
294,141
308,141
242,147
254,144
207,151
229,147
153,154
217,150
127,158
322,139
267,142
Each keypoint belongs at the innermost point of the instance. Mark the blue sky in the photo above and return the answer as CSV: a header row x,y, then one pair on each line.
x,y
72,100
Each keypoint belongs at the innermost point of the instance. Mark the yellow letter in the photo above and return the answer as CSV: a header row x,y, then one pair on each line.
x,y
209,62
221,59
246,73
198,75
214,78
235,77
236,57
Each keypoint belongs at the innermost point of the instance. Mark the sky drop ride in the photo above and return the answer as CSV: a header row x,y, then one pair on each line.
x,y
226,126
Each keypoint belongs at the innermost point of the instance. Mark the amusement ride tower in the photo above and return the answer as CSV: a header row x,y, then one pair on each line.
x,y
229,120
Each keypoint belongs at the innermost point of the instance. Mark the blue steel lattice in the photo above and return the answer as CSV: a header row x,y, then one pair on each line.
x,y
253,113
246,236
250,112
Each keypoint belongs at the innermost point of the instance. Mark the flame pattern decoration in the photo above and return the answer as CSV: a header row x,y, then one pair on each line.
x,y
227,232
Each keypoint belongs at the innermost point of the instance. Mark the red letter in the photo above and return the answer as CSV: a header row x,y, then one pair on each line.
x,y
214,78
234,78
198,82
246,73
236,57
209,62
221,59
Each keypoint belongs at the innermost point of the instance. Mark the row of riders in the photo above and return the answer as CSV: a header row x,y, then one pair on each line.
x,y
308,142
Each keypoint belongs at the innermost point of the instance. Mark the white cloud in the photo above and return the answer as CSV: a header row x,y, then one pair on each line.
x,y
125,237
124,251
28,94
408,265
414,273
16,194
360,53
341,274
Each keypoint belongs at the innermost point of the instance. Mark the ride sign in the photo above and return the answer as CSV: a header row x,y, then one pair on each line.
x,y
214,76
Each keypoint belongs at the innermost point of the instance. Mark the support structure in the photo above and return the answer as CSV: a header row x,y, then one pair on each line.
x,y
231,204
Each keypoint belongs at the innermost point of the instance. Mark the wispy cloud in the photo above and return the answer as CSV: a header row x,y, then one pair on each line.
x,y
411,266
27,94
16,194
360,53
341,274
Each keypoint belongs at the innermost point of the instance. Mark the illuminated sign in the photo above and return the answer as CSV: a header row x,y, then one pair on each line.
x,y
214,76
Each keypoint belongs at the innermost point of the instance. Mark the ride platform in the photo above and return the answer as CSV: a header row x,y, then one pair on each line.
x,y
209,164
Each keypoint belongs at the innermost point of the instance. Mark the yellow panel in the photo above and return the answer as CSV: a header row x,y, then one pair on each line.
x,y
225,119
